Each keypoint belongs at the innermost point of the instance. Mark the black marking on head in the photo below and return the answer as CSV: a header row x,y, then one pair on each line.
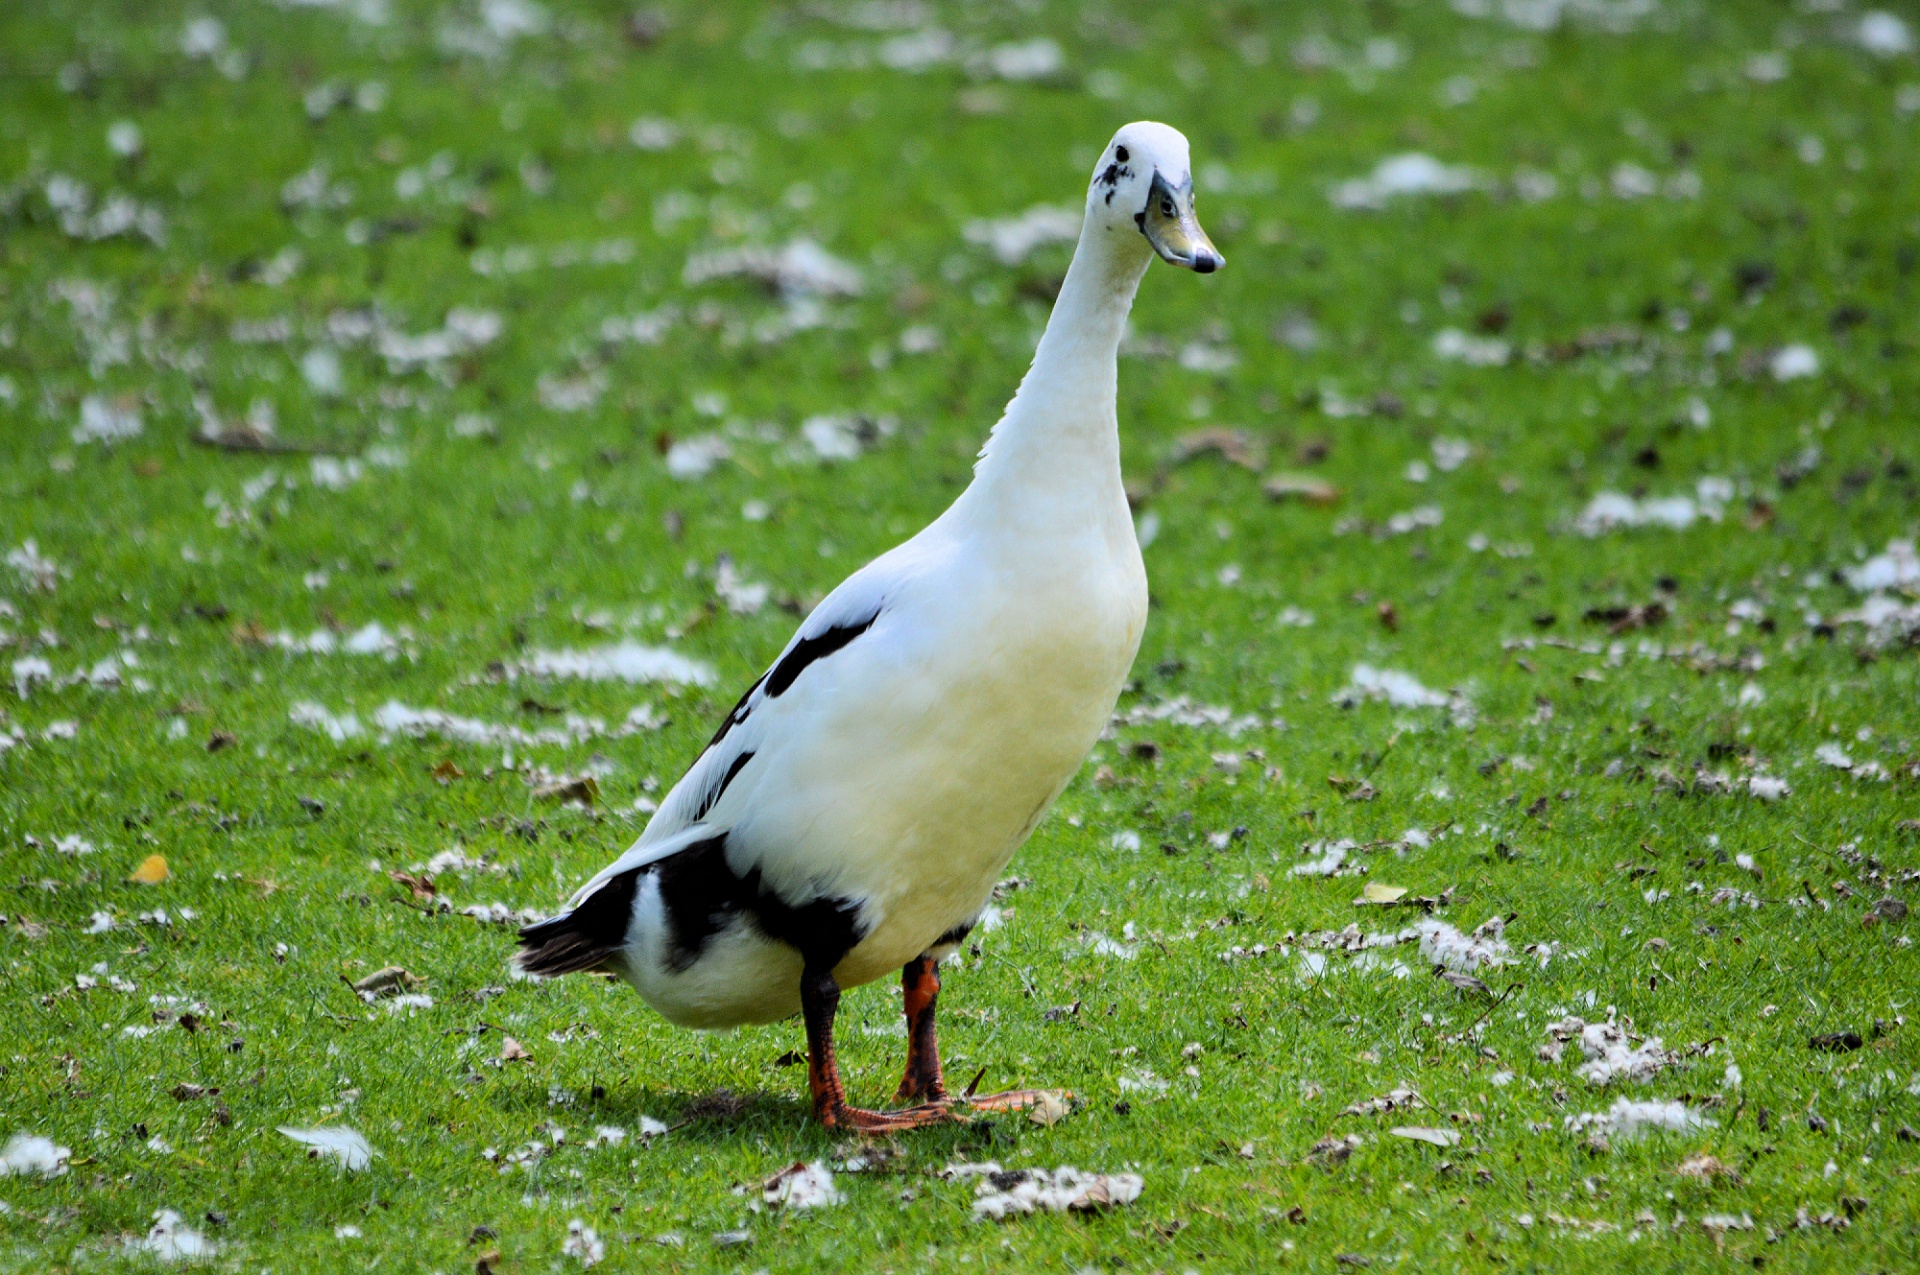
x,y
703,897
584,937
712,798
809,649
738,715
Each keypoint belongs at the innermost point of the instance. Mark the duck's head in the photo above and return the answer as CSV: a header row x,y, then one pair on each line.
x,y
1144,183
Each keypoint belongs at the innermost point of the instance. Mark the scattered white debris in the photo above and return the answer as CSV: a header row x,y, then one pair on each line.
x,y
622,662
1792,362
802,1186
1610,1055
316,717
172,1240
1442,944
27,1153
1768,787
695,457
36,570
1628,1118
1418,1133
1611,510
1182,711
801,269
462,332
1003,1193
1475,351
584,1243
1331,857
336,1142
651,133
1897,568
1013,239
1037,59
106,420
1884,34
1403,175
1402,690
347,1231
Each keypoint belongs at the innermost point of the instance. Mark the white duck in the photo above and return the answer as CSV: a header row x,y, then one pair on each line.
x,y
853,811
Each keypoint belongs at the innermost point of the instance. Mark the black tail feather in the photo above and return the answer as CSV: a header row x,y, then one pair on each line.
x,y
584,937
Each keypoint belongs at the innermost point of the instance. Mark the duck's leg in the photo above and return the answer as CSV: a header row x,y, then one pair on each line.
x,y
819,1002
920,981
920,984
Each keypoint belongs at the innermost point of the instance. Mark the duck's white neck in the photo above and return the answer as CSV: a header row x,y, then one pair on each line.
x,y
1056,451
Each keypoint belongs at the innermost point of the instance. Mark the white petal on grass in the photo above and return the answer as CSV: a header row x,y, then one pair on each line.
x,y
1002,1194
1767,787
1402,175
105,420
1612,510
1628,1118
35,569
802,1186
1013,239
695,457
335,1142
1037,59
1442,944
1884,34
171,1240
1402,690
1794,362
620,662
1419,1133
584,1243
1475,351
801,268
30,1154
316,717
1897,568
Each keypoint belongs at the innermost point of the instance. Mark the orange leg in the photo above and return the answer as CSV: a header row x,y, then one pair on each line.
x,y
920,983
819,1002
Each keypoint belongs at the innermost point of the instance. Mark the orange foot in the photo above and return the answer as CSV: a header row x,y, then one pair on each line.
x,y
876,1123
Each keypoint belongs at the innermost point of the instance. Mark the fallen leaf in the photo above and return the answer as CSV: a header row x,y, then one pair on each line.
x,y
1302,487
387,981
512,1050
1051,1109
584,789
446,772
1837,1042
1234,445
1419,1133
1705,1168
221,739
1375,892
152,871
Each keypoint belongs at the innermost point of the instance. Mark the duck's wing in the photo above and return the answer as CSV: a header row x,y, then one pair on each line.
x,y
595,920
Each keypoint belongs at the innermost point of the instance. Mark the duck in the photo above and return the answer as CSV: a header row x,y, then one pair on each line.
x,y
853,812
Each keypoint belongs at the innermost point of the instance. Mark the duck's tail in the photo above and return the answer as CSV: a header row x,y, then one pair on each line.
x,y
585,936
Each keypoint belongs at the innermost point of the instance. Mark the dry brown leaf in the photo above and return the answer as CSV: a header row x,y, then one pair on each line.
x,y
1302,487
388,981
1051,1108
512,1050
584,789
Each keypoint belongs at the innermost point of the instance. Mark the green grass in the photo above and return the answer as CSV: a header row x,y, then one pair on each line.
x,y
1568,789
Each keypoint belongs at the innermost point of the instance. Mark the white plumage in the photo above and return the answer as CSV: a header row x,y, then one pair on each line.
x,y
855,809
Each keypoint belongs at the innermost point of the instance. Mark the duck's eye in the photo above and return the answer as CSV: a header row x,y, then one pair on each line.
x,y
1166,206
1120,153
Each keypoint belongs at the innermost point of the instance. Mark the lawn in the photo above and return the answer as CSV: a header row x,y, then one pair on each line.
x,y
418,421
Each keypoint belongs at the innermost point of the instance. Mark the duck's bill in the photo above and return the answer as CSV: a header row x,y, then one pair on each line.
x,y
1170,226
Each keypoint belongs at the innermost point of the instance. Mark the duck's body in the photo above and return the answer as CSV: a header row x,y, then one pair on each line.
x,y
853,812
